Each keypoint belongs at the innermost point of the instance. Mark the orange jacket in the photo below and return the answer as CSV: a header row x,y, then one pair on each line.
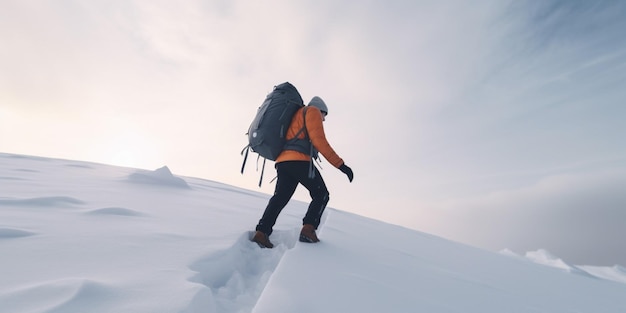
x,y
315,129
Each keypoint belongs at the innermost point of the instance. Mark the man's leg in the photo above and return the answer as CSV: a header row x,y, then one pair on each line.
x,y
319,198
285,187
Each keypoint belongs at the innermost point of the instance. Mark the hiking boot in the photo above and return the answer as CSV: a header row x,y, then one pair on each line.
x,y
307,234
262,240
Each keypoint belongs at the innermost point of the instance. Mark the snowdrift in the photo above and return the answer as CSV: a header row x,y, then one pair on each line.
x,y
84,237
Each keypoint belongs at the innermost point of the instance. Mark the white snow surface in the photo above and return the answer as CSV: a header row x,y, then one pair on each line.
x,y
84,237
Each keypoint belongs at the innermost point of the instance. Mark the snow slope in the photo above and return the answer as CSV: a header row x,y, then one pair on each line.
x,y
84,237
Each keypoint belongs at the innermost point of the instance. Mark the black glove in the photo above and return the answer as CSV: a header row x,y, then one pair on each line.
x,y
348,171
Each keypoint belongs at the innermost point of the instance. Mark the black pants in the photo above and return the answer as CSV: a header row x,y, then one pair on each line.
x,y
290,174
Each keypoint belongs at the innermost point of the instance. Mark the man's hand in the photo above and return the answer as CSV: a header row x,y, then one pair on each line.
x,y
348,171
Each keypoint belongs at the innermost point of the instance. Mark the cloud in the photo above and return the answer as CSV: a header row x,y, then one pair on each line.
x,y
577,216
543,94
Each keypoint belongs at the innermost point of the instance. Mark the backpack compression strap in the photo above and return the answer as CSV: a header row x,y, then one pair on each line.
x,y
245,158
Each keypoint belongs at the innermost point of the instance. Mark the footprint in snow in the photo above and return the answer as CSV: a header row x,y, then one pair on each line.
x,y
236,276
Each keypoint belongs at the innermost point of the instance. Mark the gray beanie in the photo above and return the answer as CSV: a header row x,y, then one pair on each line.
x,y
319,103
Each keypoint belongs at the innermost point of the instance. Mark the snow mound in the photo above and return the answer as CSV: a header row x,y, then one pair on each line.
x,y
510,253
115,211
71,295
616,273
6,233
541,256
544,257
42,201
162,176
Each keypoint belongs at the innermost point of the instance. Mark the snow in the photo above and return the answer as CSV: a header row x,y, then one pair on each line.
x,y
85,237
616,273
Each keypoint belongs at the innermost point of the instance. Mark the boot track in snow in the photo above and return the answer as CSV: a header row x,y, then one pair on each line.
x,y
237,276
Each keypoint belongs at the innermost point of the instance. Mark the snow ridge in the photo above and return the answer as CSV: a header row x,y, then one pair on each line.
x,y
61,296
162,176
6,233
55,201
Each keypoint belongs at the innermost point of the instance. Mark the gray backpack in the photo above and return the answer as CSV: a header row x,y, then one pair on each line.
x,y
268,131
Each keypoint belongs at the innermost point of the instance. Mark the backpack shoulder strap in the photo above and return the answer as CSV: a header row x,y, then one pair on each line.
x,y
312,152
303,129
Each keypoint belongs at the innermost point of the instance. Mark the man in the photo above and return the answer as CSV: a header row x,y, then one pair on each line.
x,y
295,166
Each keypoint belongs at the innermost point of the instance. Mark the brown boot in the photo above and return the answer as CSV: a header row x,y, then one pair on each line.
x,y
262,240
307,234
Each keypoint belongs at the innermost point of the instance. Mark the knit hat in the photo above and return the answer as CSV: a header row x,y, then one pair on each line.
x,y
319,103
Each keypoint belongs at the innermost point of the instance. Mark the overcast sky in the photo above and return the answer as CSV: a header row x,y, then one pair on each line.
x,y
500,124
